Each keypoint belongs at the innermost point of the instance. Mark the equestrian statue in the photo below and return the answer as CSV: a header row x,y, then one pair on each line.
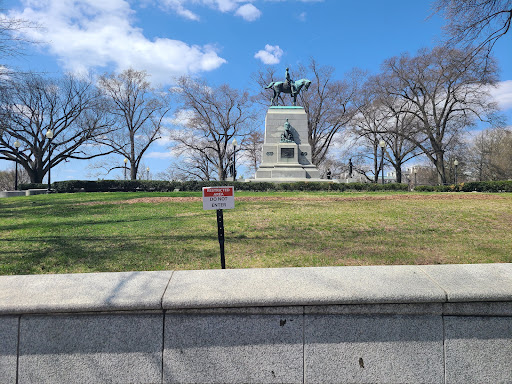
x,y
288,86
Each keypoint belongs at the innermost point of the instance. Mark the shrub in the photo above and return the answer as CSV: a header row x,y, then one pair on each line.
x,y
71,186
425,188
24,187
473,186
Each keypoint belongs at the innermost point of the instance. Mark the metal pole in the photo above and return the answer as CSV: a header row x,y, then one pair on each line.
x,y
455,173
125,171
382,164
234,162
49,164
16,172
220,227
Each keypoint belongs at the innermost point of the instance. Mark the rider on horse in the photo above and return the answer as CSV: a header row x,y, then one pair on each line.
x,y
291,83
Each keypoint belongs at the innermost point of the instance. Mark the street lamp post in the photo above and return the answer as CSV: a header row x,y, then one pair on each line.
x,y
234,142
147,170
415,173
49,136
456,163
382,144
125,162
17,145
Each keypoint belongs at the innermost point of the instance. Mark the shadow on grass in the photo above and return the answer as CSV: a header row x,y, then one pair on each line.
x,y
73,224
58,254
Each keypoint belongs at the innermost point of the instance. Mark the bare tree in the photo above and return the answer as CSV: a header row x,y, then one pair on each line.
x,y
445,90
377,120
193,165
7,178
369,126
475,21
491,155
32,105
252,150
214,116
328,102
138,111
401,132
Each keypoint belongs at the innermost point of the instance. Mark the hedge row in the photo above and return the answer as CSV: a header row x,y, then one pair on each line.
x,y
169,186
24,187
473,186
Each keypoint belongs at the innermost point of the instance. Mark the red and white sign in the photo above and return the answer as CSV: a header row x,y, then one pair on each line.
x,y
218,198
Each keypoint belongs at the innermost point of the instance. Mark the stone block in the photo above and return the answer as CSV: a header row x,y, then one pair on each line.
x,y
478,349
373,349
291,173
233,348
32,192
275,119
473,282
91,349
300,286
81,292
8,348
376,309
489,308
11,193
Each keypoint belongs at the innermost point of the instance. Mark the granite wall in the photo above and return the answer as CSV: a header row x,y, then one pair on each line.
x,y
381,324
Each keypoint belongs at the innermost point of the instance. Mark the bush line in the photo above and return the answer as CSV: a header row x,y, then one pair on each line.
x,y
472,186
72,186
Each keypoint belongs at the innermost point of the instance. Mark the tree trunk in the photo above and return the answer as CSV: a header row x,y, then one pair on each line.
x,y
35,176
441,172
220,169
398,171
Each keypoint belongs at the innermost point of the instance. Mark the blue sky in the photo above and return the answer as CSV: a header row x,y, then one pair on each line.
x,y
226,41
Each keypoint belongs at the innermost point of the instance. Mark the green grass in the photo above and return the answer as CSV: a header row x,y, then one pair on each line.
x,y
102,232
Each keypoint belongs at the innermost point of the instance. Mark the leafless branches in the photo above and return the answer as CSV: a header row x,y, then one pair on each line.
x,y
443,91
137,111
211,117
477,23
31,105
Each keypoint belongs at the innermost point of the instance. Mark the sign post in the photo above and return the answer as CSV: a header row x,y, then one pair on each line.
x,y
219,198
220,230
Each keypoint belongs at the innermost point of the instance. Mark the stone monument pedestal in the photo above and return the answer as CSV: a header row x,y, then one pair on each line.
x,y
286,160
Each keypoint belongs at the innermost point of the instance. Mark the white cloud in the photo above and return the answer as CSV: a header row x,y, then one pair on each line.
x,y
182,117
302,16
180,7
248,12
270,55
159,155
177,6
503,94
86,34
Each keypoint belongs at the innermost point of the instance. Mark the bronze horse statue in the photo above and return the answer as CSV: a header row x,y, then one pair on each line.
x,y
283,87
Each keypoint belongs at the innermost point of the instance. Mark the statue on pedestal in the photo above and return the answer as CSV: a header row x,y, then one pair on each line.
x,y
288,86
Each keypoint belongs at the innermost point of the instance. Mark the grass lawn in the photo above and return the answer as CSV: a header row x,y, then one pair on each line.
x,y
89,232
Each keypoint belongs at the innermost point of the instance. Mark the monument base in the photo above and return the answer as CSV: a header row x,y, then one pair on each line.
x,y
290,180
286,159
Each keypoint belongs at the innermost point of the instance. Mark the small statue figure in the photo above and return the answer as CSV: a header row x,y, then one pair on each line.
x,y
329,174
287,136
349,168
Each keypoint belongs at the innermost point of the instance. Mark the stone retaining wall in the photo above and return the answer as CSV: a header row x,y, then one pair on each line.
x,y
382,324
